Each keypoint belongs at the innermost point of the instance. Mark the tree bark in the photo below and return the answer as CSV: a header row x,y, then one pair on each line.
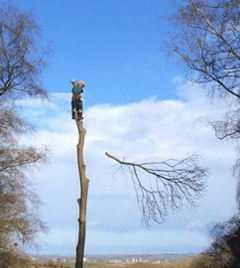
x,y
82,201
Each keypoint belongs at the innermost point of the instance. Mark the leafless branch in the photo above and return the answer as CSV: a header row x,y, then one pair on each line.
x,y
21,62
170,184
229,126
206,39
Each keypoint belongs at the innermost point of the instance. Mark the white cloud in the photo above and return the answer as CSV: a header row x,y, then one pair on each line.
x,y
146,130
195,225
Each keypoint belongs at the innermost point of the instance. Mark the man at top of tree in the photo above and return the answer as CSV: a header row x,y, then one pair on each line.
x,y
77,99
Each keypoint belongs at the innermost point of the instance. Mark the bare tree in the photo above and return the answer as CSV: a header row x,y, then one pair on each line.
x,y
82,201
169,185
20,72
206,38
21,62
19,219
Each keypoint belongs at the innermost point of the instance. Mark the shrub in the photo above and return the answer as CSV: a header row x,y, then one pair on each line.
x,y
224,251
13,260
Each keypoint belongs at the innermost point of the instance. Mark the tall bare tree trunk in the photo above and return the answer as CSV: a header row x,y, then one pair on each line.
x,y
82,201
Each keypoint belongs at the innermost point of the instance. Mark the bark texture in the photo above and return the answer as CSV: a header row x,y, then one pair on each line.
x,y
82,201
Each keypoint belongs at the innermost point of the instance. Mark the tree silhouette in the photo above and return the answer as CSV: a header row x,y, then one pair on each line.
x,y
169,184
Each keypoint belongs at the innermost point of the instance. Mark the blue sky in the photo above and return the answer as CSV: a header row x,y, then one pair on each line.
x,y
135,106
114,46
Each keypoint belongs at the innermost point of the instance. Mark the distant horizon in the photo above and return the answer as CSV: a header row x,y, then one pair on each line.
x,y
113,254
119,250
117,257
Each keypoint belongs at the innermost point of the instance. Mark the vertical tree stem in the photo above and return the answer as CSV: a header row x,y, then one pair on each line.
x,y
82,201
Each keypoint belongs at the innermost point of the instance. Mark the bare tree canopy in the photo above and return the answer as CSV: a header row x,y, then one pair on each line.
x,y
207,41
169,185
20,76
19,220
206,38
20,60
